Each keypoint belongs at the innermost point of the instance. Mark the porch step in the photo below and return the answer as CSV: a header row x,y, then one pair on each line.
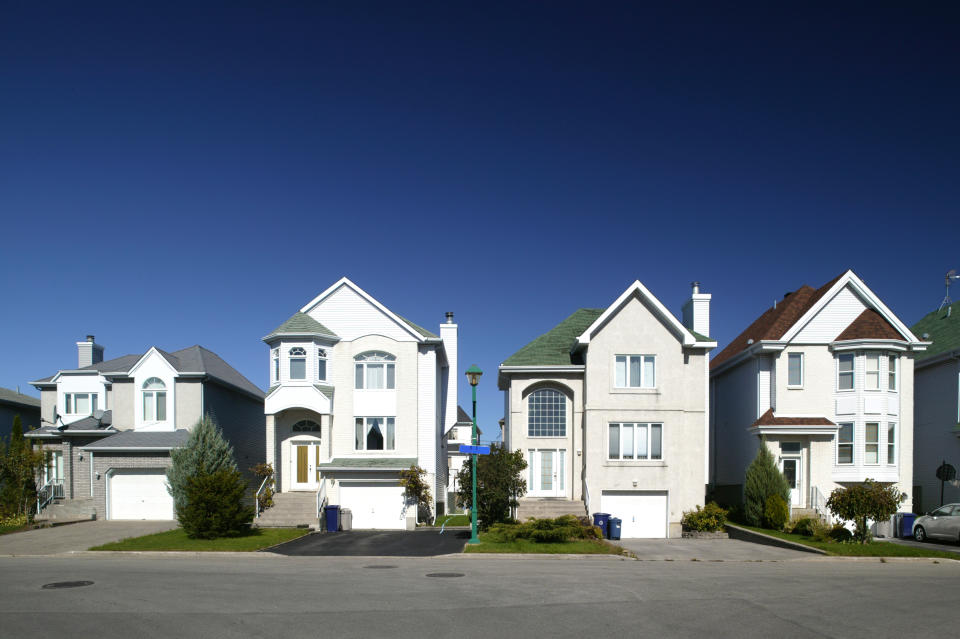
x,y
68,509
798,513
549,508
290,510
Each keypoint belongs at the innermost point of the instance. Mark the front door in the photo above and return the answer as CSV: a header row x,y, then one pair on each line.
x,y
547,476
306,458
790,467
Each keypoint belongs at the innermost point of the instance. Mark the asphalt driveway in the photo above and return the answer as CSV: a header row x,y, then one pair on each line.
x,y
426,542
74,537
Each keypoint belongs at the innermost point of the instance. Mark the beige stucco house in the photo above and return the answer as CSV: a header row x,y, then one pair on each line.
x,y
610,408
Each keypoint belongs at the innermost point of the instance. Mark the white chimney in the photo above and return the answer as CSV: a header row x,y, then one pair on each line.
x,y
448,333
696,311
89,352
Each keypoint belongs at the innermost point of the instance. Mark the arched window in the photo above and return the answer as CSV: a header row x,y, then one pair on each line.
x,y
306,426
298,363
154,400
321,365
375,371
546,413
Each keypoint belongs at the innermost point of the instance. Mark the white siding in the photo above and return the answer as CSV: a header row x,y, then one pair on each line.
x,y
427,408
350,316
763,385
832,319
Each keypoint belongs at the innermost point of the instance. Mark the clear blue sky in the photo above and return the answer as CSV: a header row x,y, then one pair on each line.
x,y
177,174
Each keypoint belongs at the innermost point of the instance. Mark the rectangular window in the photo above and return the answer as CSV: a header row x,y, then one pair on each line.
x,y
795,370
148,407
321,365
298,368
161,406
613,452
845,444
656,441
376,376
845,380
892,372
626,444
872,376
375,433
80,403
790,448
871,446
276,366
892,444
635,371
635,441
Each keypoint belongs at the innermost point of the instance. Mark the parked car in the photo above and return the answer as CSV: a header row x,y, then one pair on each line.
x,y
942,523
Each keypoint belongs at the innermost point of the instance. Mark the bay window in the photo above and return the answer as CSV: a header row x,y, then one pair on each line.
x,y
872,372
892,372
891,444
845,374
298,363
321,365
275,353
630,441
871,443
845,444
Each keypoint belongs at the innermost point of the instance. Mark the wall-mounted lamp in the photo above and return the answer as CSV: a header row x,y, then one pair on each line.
x,y
634,483
98,475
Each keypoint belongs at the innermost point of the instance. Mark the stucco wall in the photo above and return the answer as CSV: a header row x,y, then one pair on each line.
x,y
122,404
192,402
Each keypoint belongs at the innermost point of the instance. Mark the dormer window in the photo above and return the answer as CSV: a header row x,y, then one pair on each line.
x,y
298,363
79,403
321,365
154,400
375,371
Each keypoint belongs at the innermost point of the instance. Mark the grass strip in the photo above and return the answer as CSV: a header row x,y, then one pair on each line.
x,y
527,546
873,549
176,539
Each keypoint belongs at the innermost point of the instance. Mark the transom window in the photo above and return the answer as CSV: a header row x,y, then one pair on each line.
x,y
321,364
795,370
546,413
845,444
375,371
306,426
376,433
892,372
79,403
635,441
635,371
845,375
154,400
872,371
298,363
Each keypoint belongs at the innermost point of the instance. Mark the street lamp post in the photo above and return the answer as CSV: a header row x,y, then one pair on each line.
x,y
473,374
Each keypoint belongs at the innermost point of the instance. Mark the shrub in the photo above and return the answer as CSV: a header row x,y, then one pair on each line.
x,y
776,513
839,533
214,505
869,500
417,490
205,452
805,526
559,530
710,518
762,480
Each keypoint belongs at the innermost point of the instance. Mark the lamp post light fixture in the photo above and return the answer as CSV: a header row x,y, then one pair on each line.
x,y
473,374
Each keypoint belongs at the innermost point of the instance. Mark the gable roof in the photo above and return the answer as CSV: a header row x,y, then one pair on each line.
x,y
869,325
300,324
463,417
10,396
553,348
943,326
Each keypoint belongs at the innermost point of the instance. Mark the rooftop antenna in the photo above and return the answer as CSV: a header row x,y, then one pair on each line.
x,y
948,279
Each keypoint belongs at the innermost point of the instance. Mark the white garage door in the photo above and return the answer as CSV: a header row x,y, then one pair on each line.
x,y
644,514
374,504
139,494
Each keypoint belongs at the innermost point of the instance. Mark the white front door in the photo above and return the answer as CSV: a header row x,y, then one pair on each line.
x,y
547,476
790,467
304,459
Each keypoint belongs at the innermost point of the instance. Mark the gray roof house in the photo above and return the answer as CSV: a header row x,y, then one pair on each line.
x,y
12,403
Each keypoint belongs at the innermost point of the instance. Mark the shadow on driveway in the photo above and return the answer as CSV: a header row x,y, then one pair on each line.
x,y
387,543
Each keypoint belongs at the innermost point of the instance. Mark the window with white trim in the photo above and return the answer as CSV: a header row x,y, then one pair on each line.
x,y
154,400
79,403
306,426
635,371
627,442
845,374
276,365
375,433
795,370
871,375
321,365
891,444
298,362
375,371
845,444
871,443
546,413
892,372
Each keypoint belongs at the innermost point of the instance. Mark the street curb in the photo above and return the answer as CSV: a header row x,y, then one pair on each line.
x,y
743,534
517,555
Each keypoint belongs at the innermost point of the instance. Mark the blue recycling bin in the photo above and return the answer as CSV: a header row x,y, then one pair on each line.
x,y
332,516
602,520
906,524
614,528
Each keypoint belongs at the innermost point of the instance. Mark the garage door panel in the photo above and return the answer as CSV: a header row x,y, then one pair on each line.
x,y
140,495
374,504
643,514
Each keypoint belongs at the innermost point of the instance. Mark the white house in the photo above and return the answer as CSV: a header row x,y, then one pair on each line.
x,y
610,408
825,377
460,433
357,394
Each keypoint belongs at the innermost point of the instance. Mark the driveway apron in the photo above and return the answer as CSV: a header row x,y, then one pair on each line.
x,y
383,543
74,537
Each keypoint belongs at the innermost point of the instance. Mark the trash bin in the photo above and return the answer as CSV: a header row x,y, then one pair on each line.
x,y
614,528
346,519
332,514
906,524
602,520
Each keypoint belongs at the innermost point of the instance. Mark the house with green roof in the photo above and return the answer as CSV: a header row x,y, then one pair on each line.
x,y
357,394
610,409
937,406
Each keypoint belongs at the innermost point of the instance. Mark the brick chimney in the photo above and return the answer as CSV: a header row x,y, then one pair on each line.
x,y
89,352
696,311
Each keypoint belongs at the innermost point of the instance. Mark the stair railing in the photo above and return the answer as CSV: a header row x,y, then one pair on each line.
x,y
819,504
45,495
321,497
260,491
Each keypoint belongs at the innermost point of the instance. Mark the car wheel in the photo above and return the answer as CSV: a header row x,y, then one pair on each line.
x,y
919,534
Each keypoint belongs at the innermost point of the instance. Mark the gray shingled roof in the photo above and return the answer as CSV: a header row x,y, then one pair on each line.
x,y
374,463
143,440
10,396
301,324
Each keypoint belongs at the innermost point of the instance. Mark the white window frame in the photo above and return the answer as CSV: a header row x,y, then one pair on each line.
x,y
563,404
366,423
154,395
852,372
893,373
322,358
892,445
299,356
867,358
866,443
364,361
644,383
851,443
635,428
799,355
275,354
70,403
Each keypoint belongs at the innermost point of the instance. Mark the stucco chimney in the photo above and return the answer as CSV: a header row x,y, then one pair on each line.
x,y
449,335
89,352
696,311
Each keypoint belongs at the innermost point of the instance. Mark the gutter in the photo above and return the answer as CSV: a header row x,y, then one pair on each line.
x,y
937,359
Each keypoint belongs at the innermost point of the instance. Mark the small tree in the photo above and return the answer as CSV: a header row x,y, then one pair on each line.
x,y
214,505
762,480
500,484
860,502
20,467
205,452
776,513
417,490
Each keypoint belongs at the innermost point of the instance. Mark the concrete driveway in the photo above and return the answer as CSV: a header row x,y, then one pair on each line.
x,y
707,550
73,537
933,544
426,542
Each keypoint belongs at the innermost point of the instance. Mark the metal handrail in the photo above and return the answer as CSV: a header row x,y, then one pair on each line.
x,y
586,497
819,503
321,497
256,497
46,494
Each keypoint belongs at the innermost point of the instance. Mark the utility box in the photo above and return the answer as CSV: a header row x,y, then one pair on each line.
x,y
346,519
332,514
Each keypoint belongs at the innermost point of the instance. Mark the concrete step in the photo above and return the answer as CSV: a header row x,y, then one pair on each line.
x,y
549,508
290,510
68,509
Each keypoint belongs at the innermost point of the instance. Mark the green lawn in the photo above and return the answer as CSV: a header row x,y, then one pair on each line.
x,y
12,528
452,520
526,546
873,549
177,539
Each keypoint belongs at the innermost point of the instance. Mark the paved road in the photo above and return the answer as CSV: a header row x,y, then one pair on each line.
x,y
417,543
947,546
265,595
72,537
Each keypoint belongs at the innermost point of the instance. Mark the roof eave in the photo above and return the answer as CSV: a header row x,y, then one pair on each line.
x,y
939,358
794,429
272,337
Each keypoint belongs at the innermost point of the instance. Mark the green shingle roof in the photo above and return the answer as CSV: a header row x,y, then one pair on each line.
x,y
701,338
943,326
301,323
374,462
553,347
424,332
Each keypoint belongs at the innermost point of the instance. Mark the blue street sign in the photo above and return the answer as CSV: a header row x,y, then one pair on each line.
x,y
474,450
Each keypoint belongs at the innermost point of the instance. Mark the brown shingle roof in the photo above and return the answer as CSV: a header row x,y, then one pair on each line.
x,y
775,321
770,419
869,325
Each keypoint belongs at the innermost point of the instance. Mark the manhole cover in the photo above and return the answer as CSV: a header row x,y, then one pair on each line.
x,y
445,575
380,567
66,584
